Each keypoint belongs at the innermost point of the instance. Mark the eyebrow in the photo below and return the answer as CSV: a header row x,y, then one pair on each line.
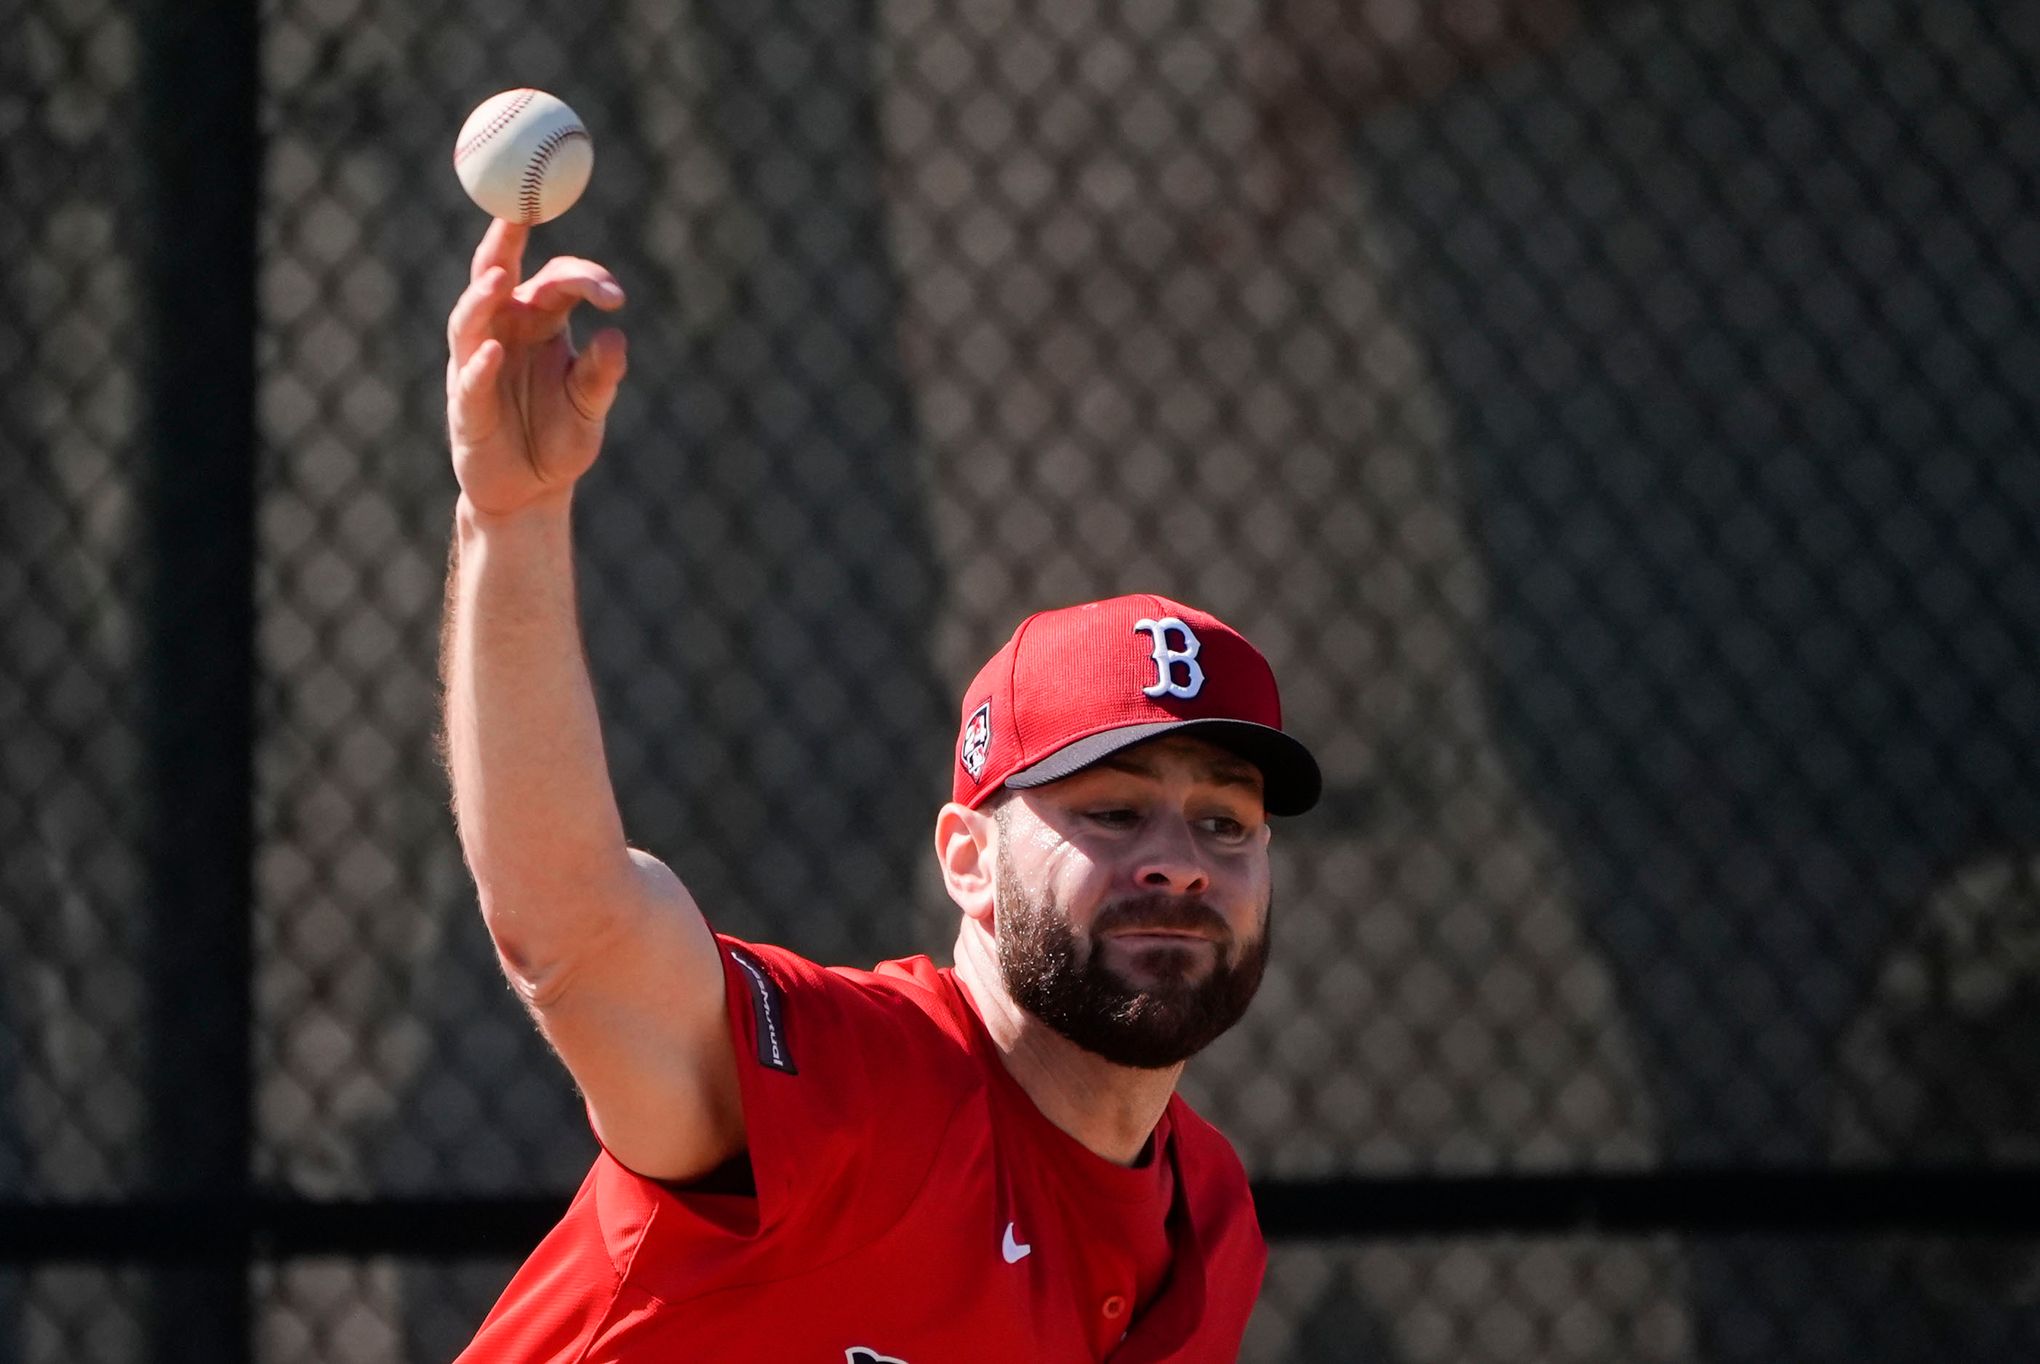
x,y
1239,774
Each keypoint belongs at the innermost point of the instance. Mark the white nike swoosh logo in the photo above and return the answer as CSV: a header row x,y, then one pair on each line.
x,y
1012,1249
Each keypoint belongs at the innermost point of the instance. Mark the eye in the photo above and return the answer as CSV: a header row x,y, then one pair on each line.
x,y
1115,818
1225,828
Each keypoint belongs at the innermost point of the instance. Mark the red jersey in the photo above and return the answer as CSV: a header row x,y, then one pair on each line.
x,y
908,1204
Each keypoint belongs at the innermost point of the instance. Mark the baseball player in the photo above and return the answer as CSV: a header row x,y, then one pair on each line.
x,y
907,1165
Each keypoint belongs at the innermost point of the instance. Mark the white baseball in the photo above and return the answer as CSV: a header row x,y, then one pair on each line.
x,y
524,156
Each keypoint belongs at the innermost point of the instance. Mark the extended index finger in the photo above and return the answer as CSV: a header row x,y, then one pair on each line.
x,y
502,244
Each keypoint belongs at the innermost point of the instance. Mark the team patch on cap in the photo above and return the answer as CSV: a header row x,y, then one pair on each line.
x,y
977,741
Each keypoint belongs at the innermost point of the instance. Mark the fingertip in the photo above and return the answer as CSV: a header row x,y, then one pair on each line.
x,y
615,351
501,247
569,290
600,371
515,237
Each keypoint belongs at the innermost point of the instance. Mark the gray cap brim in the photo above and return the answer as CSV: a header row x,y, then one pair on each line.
x,y
1290,777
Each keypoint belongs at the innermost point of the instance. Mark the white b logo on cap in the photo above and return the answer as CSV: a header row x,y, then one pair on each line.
x,y
1166,659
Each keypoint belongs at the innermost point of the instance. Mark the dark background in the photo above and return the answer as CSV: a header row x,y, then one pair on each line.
x,y
1617,421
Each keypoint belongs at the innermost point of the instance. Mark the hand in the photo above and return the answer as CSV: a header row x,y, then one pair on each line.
x,y
524,412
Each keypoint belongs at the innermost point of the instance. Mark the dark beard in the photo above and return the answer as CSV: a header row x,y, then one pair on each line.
x,y
1073,991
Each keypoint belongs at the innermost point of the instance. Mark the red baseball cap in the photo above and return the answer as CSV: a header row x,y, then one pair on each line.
x,y
1078,683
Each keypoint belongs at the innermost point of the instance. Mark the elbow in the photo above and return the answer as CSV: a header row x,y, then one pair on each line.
x,y
542,942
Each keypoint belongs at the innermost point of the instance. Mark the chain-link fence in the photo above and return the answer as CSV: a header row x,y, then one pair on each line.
x,y
1618,421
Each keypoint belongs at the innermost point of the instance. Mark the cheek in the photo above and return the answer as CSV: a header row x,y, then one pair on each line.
x,y
1059,867
1065,882
1246,904
1078,891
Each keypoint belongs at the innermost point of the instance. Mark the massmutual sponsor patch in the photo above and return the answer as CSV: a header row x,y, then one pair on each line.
x,y
768,1011
977,741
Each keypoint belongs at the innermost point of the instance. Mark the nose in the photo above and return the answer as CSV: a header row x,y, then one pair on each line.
x,y
1170,862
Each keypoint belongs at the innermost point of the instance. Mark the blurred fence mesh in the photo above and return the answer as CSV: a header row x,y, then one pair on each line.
x,y
1617,420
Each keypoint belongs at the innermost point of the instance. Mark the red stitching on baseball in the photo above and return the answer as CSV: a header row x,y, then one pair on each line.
x,y
528,192
504,118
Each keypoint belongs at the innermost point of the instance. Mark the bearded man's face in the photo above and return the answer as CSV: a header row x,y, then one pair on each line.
x,y
1175,948
1162,1005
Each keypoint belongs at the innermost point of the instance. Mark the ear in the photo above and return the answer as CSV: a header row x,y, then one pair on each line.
x,y
964,850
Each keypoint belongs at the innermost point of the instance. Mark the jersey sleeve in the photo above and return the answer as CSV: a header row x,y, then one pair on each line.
x,y
848,1086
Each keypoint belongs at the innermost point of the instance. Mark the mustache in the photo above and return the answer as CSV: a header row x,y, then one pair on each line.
x,y
1161,913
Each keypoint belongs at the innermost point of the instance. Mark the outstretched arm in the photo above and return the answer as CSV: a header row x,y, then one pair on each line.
x,y
602,942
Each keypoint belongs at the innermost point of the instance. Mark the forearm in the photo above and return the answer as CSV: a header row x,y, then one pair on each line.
x,y
537,815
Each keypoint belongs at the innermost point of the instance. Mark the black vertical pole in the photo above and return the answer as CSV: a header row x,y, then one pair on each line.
x,y
197,242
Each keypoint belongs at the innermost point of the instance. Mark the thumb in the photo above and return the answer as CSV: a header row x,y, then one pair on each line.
x,y
596,373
